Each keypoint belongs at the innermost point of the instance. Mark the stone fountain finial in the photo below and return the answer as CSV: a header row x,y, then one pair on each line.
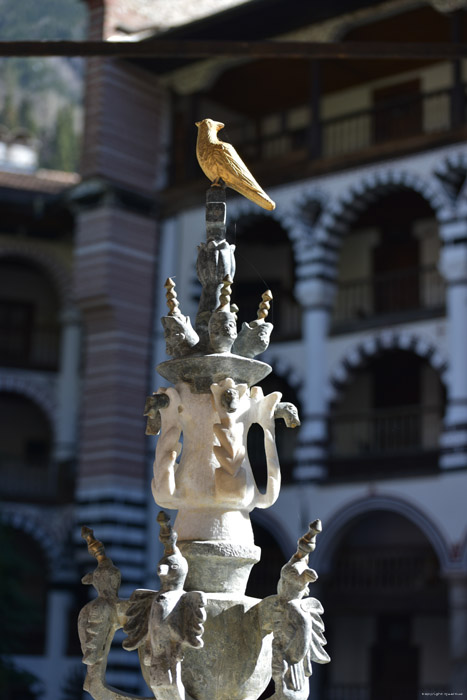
x,y
263,309
202,469
307,543
167,535
180,336
254,337
225,294
222,325
171,297
95,547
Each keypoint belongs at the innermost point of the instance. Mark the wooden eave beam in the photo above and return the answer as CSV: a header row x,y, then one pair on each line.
x,y
182,48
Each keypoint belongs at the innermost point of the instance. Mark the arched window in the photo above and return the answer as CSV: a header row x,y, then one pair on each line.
x,y
265,261
386,606
29,316
388,264
25,455
388,419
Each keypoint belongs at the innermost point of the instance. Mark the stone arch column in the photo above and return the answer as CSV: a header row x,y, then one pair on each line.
x,y
453,267
47,260
316,296
316,289
358,354
68,385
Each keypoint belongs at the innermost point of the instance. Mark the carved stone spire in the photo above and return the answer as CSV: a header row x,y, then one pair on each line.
x,y
95,547
226,292
171,297
167,535
263,309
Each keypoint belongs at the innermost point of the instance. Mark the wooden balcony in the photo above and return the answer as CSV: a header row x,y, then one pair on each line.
x,y
410,292
36,483
298,145
397,441
35,347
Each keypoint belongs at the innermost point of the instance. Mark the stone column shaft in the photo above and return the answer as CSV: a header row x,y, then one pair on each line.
x,y
68,387
316,295
454,438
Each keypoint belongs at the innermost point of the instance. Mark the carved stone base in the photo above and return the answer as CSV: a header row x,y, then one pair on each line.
x,y
218,567
235,661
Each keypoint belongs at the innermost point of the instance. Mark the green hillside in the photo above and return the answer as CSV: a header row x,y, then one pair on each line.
x,y
44,95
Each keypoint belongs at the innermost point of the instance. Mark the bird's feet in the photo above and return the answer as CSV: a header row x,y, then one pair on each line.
x,y
218,182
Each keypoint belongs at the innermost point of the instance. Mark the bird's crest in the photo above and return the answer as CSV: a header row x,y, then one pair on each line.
x,y
167,535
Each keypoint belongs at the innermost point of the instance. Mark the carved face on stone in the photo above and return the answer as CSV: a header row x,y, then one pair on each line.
x,y
179,335
261,334
106,578
230,400
253,339
295,579
222,331
172,571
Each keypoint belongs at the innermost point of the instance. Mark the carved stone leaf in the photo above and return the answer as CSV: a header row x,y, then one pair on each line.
x,y
136,625
194,615
96,621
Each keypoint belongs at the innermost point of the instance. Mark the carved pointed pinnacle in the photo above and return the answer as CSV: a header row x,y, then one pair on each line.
x,y
265,305
307,543
226,291
167,536
171,297
95,547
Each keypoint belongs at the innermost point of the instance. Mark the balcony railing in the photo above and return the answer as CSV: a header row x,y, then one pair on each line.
x,y
34,348
385,431
420,288
425,113
281,134
37,483
355,131
393,571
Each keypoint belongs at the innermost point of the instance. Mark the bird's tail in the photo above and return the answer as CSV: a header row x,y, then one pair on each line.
x,y
258,196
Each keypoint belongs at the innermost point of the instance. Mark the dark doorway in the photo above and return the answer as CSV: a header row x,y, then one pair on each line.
x,y
394,660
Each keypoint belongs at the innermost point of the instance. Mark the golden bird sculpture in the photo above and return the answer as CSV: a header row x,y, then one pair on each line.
x,y
220,161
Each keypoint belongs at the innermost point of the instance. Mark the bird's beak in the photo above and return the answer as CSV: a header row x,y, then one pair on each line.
x,y
219,125
198,124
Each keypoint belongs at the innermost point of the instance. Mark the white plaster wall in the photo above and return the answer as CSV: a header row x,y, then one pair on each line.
x,y
440,498
335,185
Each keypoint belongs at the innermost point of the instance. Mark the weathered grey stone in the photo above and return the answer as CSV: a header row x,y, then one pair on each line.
x,y
253,339
218,567
200,372
235,662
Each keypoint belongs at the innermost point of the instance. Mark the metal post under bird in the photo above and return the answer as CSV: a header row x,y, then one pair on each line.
x,y
220,162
